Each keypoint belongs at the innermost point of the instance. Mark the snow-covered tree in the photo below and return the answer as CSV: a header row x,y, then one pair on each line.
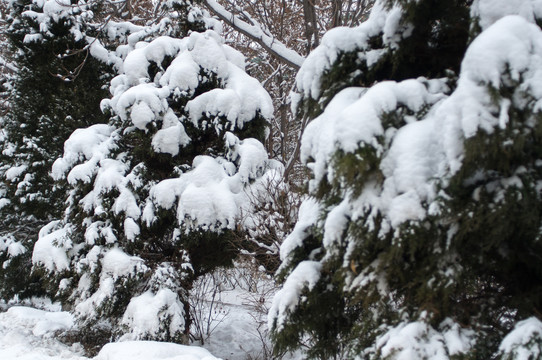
x,y
421,235
55,85
275,36
158,193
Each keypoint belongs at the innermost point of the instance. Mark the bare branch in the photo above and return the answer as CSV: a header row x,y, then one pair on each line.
x,y
255,32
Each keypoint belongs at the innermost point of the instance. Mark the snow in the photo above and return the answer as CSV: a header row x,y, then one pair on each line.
x,y
304,276
319,135
335,222
14,172
51,248
89,144
144,98
236,301
412,341
256,32
238,102
131,229
251,156
48,13
238,325
115,265
380,99
147,350
144,102
111,175
407,165
117,194
211,195
343,40
204,206
458,340
412,160
524,342
137,62
422,151
118,263
203,195
147,312
127,203
168,140
99,52
4,202
183,73
29,334
391,34
9,244
211,192
308,215
141,115
418,340
56,9
511,44
490,11
217,102
415,157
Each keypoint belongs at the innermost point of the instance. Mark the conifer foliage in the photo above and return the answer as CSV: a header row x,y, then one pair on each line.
x,y
56,89
421,235
157,193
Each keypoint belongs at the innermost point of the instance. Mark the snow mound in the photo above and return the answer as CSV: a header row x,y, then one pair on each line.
x,y
151,350
42,322
29,334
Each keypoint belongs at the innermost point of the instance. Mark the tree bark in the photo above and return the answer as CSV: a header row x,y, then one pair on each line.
x,y
311,25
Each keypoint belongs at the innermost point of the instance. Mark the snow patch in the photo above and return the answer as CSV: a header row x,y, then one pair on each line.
x,y
147,350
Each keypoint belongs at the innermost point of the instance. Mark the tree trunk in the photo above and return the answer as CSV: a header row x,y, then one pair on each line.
x,y
311,26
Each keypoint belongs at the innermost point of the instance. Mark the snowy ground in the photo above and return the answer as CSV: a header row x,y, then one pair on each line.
x,y
29,334
229,309
237,302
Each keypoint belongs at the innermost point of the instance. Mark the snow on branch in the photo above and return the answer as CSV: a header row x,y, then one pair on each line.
x,y
255,32
8,65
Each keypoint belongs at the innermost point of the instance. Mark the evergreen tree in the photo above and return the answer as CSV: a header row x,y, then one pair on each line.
x,y
421,235
56,89
157,193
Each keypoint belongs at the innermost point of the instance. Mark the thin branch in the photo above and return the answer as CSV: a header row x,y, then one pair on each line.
x,y
255,32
